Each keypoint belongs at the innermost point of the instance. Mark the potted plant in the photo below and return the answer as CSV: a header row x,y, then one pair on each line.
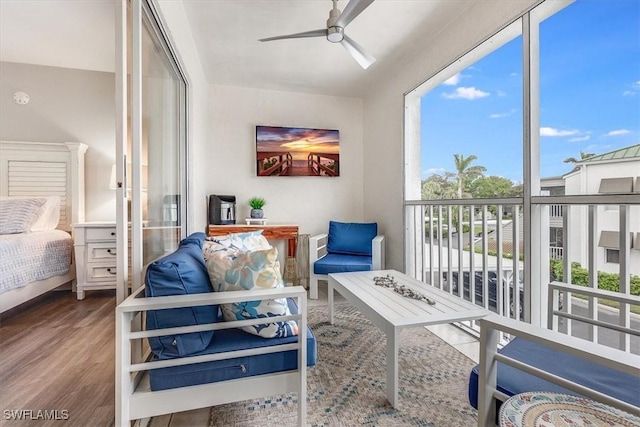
x,y
256,204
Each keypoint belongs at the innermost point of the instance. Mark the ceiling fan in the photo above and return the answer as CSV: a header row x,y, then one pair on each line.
x,y
335,31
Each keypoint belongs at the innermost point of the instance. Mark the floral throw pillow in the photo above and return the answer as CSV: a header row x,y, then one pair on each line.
x,y
231,269
249,241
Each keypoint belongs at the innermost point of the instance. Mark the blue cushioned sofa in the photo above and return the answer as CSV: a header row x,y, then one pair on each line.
x,y
195,359
349,246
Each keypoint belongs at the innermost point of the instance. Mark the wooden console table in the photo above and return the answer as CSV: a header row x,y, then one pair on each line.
x,y
270,232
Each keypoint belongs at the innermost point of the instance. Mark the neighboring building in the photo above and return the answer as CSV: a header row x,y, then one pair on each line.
x,y
616,172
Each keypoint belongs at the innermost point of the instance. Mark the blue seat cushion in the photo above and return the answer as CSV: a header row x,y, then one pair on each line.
x,y
350,238
512,381
334,263
182,272
240,367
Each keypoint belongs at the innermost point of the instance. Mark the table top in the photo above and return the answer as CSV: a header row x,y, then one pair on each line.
x,y
546,409
401,311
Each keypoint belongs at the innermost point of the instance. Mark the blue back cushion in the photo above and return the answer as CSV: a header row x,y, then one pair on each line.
x,y
182,272
351,238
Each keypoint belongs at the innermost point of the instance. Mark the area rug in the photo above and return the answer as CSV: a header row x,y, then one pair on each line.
x,y
347,386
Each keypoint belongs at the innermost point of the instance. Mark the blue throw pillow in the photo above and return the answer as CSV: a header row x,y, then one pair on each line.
x,y
350,238
182,272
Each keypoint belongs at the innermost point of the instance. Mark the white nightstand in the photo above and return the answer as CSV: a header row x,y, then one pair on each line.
x,y
95,252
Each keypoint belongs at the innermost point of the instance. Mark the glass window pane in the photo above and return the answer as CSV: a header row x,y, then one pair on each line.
x,y
471,129
162,148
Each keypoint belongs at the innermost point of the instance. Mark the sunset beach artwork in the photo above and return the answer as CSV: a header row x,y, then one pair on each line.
x,y
288,151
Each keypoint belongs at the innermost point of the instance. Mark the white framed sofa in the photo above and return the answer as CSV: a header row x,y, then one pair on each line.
x,y
175,352
346,247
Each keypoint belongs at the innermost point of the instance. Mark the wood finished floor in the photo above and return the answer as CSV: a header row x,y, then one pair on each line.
x,y
59,354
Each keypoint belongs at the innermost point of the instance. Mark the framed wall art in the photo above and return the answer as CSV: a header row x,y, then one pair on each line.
x,y
289,151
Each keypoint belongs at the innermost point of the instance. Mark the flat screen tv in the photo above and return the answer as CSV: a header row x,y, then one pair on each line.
x,y
288,151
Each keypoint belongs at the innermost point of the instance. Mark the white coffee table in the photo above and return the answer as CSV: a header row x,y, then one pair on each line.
x,y
392,312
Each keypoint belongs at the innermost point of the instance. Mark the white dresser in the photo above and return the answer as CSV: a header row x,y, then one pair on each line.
x,y
95,252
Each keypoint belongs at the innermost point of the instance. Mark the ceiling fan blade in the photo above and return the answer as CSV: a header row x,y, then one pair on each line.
x,y
314,33
364,58
353,9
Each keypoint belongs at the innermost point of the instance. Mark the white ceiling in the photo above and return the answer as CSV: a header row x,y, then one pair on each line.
x,y
80,34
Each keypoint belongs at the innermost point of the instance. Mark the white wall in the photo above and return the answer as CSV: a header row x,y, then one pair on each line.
x,y
309,202
66,105
384,112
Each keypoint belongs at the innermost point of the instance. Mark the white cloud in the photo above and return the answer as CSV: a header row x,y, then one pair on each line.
x,y
628,93
452,81
617,132
502,115
470,93
580,138
547,131
501,93
636,84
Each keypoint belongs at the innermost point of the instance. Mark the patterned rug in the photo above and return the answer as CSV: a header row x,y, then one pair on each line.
x,y
347,386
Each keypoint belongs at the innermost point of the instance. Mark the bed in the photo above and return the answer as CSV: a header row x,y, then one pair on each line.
x,y
41,195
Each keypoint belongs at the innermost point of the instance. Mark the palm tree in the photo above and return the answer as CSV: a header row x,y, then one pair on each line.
x,y
583,156
464,170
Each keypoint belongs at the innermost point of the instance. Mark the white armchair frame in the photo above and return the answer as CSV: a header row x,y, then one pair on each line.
x,y
318,249
135,400
492,326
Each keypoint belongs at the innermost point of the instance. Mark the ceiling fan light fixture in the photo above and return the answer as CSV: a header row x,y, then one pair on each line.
x,y
335,34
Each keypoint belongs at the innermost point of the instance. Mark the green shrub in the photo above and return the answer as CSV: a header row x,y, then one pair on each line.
x,y
580,276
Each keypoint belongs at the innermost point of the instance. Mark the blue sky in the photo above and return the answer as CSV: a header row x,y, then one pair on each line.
x,y
589,99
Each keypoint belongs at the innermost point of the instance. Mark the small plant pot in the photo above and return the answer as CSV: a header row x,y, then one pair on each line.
x,y
257,213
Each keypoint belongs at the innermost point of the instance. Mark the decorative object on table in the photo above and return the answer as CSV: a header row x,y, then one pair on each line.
x,y
222,209
389,281
259,221
282,151
256,204
547,409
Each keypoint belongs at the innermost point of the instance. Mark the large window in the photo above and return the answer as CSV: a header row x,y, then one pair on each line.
x,y
590,92
471,129
570,137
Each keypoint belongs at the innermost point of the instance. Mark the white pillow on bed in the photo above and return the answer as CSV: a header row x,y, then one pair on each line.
x,y
19,215
48,215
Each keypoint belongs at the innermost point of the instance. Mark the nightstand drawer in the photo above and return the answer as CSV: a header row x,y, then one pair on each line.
x,y
95,234
100,252
101,273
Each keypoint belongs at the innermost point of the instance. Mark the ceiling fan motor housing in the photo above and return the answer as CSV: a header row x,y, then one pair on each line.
x,y
335,34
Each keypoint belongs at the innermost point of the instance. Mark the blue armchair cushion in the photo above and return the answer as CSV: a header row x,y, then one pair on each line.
x,y
334,263
512,381
182,272
349,238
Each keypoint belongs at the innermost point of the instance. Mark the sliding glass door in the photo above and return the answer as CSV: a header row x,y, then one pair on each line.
x,y
151,143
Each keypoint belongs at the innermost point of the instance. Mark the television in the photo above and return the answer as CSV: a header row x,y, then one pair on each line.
x,y
291,151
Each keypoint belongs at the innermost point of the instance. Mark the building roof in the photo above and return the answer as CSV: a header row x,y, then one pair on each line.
x,y
622,153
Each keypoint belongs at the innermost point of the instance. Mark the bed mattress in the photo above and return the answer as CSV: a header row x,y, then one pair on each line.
x,y
30,257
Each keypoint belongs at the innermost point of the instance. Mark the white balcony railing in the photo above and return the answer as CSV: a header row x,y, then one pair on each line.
x,y
479,244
